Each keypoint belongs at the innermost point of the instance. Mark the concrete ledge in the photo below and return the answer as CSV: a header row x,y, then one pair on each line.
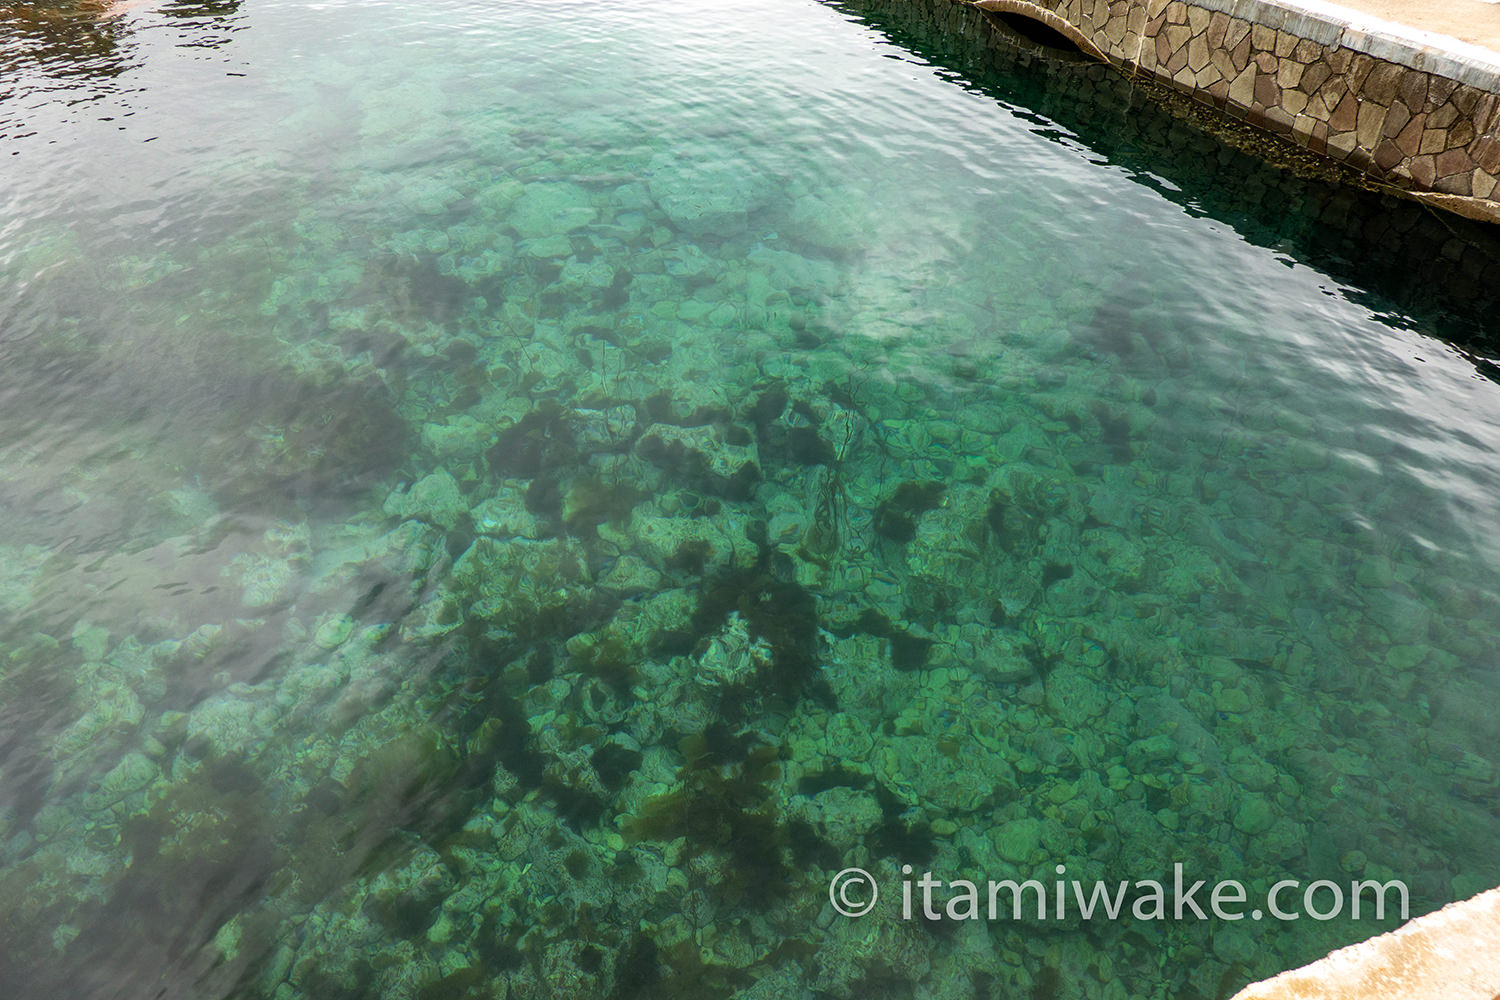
x,y
1453,954
1414,110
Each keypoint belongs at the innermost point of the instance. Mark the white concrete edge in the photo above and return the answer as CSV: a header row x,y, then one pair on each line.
x,y
1330,24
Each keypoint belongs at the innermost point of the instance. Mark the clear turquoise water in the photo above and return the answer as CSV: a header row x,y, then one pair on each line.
x,y
507,499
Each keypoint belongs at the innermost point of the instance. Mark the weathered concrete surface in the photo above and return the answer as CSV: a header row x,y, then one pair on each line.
x,y
1409,109
1474,21
1453,954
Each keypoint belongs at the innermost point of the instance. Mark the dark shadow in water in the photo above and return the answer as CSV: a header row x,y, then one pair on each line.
x,y
1439,270
63,40
83,47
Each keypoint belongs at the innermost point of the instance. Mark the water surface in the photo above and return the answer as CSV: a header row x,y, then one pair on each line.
x,y
507,499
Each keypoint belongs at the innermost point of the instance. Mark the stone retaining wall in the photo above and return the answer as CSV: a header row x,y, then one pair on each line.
x,y
1374,95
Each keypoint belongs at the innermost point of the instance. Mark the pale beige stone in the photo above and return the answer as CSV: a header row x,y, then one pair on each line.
x,y
1238,29
1197,53
1262,38
1236,33
1222,61
1289,74
1452,954
1443,117
1177,36
1371,117
1434,140
1242,88
1285,43
1294,101
1342,144
1484,186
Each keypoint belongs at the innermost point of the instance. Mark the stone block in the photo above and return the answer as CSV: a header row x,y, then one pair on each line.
x,y
1455,184
1236,33
1278,120
1439,89
1267,94
1484,113
1314,76
1266,61
1483,184
1413,90
1177,12
1218,29
1289,73
1387,155
1434,140
1345,116
1409,139
1443,116
1307,51
1360,66
1423,171
1452,162
1485,152
1262,38
1395,119
1242,88
1294,101
1241,54
1286,42
1222,61
1382,83
1341,144
1368,123
1197,53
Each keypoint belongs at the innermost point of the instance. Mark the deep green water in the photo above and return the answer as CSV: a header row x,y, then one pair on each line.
x,y
506,499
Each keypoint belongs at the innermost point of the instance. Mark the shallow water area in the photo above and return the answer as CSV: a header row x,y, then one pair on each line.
x,y
509,499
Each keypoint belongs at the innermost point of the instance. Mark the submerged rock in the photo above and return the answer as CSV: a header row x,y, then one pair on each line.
x,y
510,583
551,209
707,196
